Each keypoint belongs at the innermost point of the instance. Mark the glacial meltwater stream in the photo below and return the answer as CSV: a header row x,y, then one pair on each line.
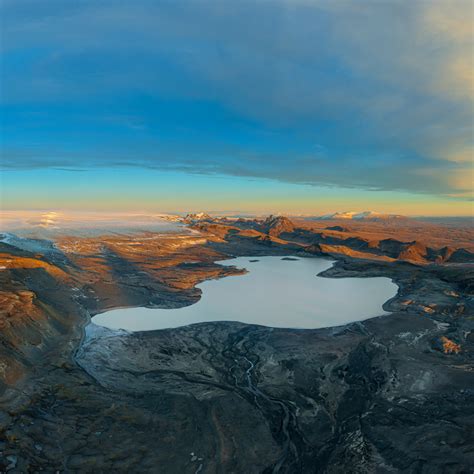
x,y
275,292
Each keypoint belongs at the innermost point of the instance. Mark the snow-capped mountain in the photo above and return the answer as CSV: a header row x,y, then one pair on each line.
x,y
366,215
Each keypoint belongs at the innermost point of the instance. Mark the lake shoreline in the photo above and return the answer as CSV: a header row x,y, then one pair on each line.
x,y
268,286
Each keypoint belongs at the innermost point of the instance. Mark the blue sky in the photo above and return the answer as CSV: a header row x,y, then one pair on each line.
x,y
249,105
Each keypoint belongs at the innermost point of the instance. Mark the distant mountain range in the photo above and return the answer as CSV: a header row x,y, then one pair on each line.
x,y
350,215
366,215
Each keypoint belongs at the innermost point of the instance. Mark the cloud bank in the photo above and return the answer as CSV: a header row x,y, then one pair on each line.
x,y
373,95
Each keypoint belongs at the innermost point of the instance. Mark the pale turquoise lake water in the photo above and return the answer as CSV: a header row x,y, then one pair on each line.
x,y
275,293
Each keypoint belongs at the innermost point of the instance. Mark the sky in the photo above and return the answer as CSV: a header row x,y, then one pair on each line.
x,y
292,106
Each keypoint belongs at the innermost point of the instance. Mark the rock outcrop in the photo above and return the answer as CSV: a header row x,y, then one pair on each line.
x,y
277,225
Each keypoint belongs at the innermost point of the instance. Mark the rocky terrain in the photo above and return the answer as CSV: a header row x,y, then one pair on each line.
x,y
390,394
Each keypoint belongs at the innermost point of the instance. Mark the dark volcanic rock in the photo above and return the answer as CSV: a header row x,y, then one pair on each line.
x,y
390,394
338,228
461,256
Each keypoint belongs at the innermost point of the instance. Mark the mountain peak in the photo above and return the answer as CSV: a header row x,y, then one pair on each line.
x,y
199,216
275,225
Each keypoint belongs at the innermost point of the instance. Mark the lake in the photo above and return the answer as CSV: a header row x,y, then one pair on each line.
x,y
275,292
